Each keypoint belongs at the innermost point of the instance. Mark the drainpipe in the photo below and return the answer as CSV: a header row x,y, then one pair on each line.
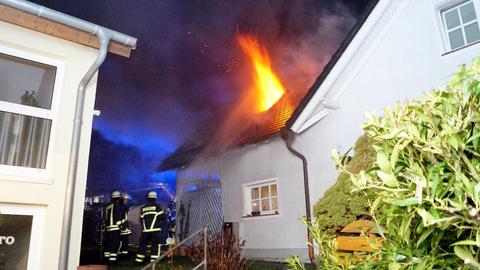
x,y
288,136
104,40
104,35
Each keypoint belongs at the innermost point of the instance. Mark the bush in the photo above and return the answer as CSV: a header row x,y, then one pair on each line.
x,y
426,177
424,181
224,252
338,206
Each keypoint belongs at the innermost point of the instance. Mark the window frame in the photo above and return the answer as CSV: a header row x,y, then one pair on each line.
x,y
441,9
37,232
247,197
26,174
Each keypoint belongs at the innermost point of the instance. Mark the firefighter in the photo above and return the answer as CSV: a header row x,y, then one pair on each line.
x,y
113,221
125,227
152,218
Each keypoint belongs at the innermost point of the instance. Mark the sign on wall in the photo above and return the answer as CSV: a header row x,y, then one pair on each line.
x,y
15,234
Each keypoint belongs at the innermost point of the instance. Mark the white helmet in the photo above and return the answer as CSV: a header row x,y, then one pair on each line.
x,y
116,194
152,195
126,196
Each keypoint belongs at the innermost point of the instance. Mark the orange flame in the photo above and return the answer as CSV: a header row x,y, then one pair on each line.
x,y
267,84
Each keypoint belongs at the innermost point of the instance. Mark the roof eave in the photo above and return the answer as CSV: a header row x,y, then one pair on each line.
x,y
331,71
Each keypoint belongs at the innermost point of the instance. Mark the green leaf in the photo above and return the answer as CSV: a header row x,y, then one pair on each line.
x,y
383,162
467,257
388,179
405,202
454,141
393,133
394,266
335,156
477,238
395,153
424,235
375,203
465,243
473,138
427,218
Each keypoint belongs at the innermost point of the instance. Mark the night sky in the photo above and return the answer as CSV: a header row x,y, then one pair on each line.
x,y
186,72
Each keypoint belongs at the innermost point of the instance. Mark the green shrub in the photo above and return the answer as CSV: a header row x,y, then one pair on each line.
x,y
424,182
426,177
338,206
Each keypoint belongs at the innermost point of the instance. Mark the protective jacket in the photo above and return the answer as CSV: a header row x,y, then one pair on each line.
x,y
152,217
113,216
125,228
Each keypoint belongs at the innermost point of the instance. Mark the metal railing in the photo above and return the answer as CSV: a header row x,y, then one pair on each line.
x,y
153,265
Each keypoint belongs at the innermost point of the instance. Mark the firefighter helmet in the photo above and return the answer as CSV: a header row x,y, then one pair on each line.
x,y
152,195
116,194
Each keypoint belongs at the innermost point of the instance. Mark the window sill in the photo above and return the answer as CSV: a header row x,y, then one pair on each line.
x,y
264,216
461,48
21,174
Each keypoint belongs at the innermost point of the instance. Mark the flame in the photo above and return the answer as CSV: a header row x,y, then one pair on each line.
x,y
267,86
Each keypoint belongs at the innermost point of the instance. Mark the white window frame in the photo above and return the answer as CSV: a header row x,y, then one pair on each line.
x,y
247,197
36,235
25,174
441,9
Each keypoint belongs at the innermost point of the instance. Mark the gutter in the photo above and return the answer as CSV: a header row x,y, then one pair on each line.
x,y
104,35
288,136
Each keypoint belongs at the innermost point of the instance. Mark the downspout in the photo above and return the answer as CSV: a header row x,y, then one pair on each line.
x,y
105,36
288,136
104,40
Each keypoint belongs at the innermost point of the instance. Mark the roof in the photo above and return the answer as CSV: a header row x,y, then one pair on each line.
x,y
268,125
42,25
283,114
333,60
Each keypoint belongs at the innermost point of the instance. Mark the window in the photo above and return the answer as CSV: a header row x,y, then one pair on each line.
x,y
26,101
461,25
261,198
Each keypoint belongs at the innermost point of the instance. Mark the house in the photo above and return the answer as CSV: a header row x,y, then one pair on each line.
x,y
399,49
44,55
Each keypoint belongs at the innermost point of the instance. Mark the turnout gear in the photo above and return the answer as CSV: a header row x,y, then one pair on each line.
x,y
152,218
124,228
113,221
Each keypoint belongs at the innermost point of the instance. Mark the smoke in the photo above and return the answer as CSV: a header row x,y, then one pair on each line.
x,y
299,48
186,80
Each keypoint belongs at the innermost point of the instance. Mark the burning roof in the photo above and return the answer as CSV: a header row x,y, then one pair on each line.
x,y
275,107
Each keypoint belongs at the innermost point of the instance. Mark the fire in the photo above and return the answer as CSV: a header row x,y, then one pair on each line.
x,y
267,86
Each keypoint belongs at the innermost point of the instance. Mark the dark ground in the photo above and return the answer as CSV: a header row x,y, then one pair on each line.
x,y
91,256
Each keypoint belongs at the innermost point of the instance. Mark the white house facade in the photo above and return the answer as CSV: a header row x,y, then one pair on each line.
x,y
41,66
403,48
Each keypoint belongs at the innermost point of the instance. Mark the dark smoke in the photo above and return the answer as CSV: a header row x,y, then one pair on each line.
x,y
185,75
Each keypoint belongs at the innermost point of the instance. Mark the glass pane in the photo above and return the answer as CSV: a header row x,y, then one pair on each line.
x,y
456,39
468,12
274,204
26,82
24,140
273,190
451,18
256,205
472,32
266,205
265,193
255,193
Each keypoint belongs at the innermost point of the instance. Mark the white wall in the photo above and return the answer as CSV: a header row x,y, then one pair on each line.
x,y
48,193
271,237
402,59
406,62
